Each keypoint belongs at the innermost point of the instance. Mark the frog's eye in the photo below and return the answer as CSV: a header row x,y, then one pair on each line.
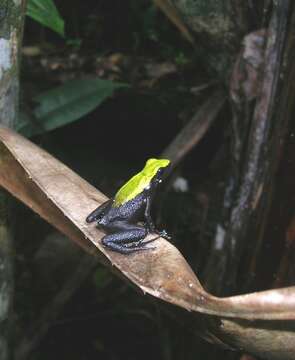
x,y
160,171
158,177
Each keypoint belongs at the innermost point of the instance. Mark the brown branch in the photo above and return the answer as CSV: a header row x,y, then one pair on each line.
x,y
196,128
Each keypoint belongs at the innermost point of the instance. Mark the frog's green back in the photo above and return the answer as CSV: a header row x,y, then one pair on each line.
x,y
140,181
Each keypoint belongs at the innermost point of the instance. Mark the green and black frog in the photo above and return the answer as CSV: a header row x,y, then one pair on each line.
x,y
120,215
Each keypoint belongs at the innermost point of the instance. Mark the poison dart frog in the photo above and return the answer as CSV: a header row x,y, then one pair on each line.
x,y
119,216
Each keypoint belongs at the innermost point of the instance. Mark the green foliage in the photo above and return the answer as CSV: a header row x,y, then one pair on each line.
x,y
28,126
74,43
46,13
181,59
150,23
66,103
153,29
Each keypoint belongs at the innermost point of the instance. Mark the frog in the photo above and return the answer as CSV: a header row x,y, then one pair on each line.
x,y
120,216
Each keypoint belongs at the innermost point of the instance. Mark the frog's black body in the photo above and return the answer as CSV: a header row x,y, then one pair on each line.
x,y
125,235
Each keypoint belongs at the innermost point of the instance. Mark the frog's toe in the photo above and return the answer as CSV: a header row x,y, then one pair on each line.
x,y
164,234
126,249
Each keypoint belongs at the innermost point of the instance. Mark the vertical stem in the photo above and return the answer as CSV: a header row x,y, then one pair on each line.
x,y
11,26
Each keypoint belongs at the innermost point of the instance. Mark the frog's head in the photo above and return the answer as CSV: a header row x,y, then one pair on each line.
x,y
154,169
150,176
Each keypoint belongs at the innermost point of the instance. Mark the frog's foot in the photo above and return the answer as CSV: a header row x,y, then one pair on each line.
x,y
127,249
163,234
141,244
94,217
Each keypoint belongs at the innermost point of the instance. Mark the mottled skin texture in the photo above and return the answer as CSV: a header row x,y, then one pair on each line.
x,y
124,234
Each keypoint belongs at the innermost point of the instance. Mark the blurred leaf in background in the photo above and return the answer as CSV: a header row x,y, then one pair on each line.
x,y
66,103
46,13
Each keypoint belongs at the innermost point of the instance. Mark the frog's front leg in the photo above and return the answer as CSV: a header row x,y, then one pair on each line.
x,y
150,224
99,212
125,238
147,215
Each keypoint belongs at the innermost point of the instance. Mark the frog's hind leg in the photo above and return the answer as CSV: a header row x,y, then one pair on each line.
x,y
126,238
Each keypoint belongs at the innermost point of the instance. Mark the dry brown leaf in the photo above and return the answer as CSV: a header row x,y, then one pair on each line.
x,y
64,199
248,69
173,15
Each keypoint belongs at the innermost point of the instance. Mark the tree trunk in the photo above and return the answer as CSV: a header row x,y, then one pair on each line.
x,y
247,43
11,24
